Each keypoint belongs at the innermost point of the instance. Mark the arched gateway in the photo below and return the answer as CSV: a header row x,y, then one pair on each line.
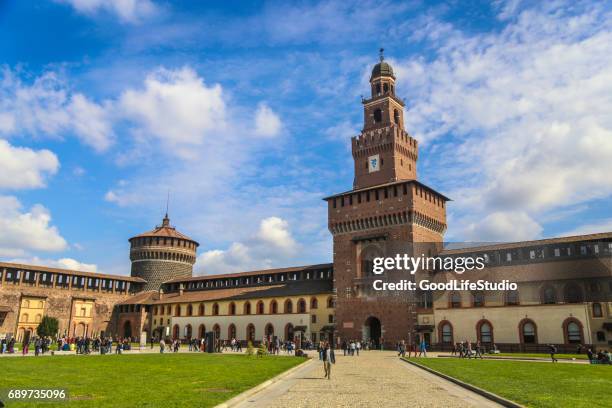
x,y
372,330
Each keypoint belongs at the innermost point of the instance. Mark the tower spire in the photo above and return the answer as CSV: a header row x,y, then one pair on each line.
x,y
381,53
166,220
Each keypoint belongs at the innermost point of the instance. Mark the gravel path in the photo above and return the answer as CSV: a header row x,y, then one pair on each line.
x,y
374,379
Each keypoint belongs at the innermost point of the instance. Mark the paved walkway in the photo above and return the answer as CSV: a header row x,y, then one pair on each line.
x,y
374,379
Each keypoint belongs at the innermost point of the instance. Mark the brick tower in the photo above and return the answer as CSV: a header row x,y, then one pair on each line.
x,y
162,254
387,212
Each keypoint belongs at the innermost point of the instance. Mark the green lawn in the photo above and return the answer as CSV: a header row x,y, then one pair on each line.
x,y
533,384
541,355
145,380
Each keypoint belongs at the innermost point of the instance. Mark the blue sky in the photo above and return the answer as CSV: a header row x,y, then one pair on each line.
x,y
244,111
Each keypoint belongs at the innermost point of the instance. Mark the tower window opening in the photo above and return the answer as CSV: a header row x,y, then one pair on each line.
x,y
377,89
377,116
385,88
396,117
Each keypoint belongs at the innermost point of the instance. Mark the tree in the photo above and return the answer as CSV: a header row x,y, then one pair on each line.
x,y
48,326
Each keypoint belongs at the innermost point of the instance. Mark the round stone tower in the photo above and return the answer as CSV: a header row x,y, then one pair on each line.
x,y
162,254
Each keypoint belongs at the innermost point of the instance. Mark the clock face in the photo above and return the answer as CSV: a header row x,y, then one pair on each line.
x,y
373,163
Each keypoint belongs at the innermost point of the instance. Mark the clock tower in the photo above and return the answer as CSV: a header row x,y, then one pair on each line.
x,y
387,213
384,152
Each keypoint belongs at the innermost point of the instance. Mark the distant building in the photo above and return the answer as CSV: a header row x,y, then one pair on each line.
x,y
564,291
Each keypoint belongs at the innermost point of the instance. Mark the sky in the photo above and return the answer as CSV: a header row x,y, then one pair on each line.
x,y
243,112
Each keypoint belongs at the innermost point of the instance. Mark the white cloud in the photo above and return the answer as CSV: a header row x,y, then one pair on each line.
x,y
91,122
520,116
275,231
177,108
272,245
603,225
46,107
127,10
62,263
267,123
28,230
500,226
22,167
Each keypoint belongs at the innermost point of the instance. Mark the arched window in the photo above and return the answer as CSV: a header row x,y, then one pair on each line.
x,y
445,332
247,308
288,306
396,116
25,317
301,306
378,88
367,259
597,310
573,293
175,331
454,300
215,309
512,298
269,330
217,331
273,307
188,331
231,332
260,307
314,303
289,331
572,330
189,310
377,116
202,331
479,299
528,331
177,310
330,303
385,87
232,308
169,310
548,295
484,331
250,332
201,309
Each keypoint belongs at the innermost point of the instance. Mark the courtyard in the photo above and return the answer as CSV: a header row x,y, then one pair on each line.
x,y
532,383
141,380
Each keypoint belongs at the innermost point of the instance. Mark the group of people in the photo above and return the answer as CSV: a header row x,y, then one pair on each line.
x,y
351,347
419,347
465,349
599,357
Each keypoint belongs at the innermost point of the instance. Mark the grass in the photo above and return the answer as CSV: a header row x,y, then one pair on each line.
x,y
145,380
541,355
533,384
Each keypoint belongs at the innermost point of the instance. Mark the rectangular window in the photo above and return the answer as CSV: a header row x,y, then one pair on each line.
x,y
376,195
557,252
532,254
386,190
313,318
583,250
358,198
351,199
508,257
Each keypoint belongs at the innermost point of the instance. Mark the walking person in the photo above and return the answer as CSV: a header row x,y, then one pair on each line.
x,y
478,350
423,348
329,358
553,351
